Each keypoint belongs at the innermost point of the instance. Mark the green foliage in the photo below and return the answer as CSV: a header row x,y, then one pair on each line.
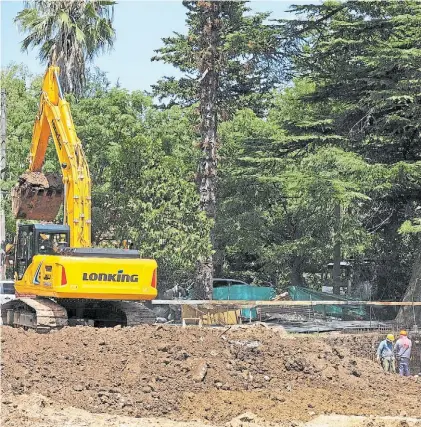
x,y
366,56
344,132
21,108
362,59
410,226
230,59
143,187
250,59
280,207
68,34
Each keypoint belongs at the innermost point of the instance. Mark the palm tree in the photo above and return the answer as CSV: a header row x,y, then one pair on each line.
x,y
69,33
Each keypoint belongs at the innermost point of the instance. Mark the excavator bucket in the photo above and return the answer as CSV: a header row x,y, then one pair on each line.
x,y
37,196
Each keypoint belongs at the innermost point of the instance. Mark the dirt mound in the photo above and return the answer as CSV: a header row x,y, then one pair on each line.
x,y
208,374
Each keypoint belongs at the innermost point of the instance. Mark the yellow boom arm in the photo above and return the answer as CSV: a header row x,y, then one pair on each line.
x,y
54,118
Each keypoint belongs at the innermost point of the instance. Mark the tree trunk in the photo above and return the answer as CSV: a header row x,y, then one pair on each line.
x,y
218,260
208,92
296,277
336,273
409,316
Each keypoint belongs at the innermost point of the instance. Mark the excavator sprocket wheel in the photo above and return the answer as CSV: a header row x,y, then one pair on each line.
x,y
37,196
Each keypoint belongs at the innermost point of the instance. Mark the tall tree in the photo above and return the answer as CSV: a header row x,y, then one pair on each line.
x,y
68,33
209,20
229,60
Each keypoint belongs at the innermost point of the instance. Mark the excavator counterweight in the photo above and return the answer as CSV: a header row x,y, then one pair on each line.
x,y
37,196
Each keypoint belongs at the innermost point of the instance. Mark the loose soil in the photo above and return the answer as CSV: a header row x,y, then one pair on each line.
x,y
195,375
36,410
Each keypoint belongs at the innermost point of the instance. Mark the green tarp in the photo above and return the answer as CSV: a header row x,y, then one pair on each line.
x,y
354,312
244,292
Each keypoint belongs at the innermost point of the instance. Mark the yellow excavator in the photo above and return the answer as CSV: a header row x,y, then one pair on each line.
x,y
60,279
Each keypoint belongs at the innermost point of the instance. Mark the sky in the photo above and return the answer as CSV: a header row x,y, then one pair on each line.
x,y
140,26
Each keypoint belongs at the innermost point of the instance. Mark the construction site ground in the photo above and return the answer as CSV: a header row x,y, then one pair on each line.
x,y
170,376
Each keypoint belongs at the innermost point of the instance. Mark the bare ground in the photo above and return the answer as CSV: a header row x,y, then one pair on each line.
x,y
36,410
150,375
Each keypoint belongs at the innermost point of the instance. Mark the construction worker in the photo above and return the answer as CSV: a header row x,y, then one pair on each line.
x,y
385,354
402,350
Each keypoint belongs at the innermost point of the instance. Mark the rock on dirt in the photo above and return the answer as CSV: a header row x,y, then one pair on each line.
x,y
200,370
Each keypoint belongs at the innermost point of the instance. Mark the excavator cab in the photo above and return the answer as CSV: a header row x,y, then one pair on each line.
x,y
34,239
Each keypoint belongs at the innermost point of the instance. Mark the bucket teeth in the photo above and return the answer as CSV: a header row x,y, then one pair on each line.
x,y
37,196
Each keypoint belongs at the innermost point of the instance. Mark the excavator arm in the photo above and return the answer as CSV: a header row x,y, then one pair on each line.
x,y
38,196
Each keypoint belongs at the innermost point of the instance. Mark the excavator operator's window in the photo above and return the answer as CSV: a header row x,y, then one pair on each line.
x,y
50,243
24,251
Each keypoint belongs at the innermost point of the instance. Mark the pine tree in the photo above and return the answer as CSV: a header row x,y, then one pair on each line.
x,y
228,61
364,58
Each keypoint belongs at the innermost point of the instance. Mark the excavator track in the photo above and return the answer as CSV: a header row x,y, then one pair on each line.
x,y
41,314
136,313
108,313
44,315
